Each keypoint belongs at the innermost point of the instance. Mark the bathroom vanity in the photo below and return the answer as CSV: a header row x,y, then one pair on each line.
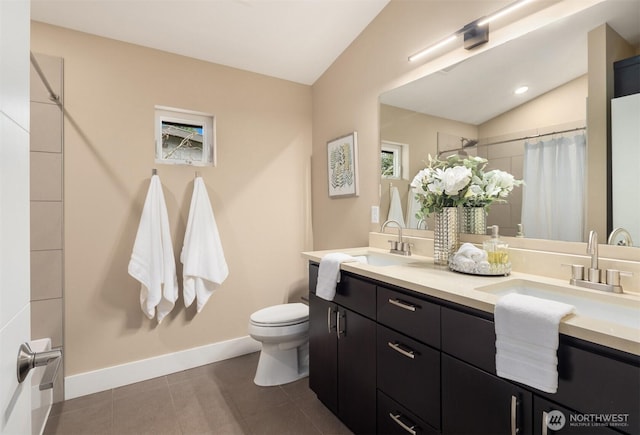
x,y
393,355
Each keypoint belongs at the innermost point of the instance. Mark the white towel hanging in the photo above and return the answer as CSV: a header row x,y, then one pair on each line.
x,y
152,260
527,339
205,267
395,208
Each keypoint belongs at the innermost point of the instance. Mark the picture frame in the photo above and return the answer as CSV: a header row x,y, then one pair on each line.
x,y
342,166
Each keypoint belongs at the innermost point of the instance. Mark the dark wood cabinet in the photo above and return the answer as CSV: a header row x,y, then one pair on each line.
x,y
389,360
342,353
592,379
323,351
476,402
357,371
626,77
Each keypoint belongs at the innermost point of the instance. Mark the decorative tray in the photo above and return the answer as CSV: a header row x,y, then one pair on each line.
x,y
481,269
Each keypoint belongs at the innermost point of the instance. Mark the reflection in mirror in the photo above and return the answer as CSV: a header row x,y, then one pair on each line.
x,y
474,100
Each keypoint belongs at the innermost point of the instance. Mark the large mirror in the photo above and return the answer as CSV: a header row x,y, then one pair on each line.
x,y
470,108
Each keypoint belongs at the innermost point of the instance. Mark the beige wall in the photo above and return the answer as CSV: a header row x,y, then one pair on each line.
x,y
258,189
563,105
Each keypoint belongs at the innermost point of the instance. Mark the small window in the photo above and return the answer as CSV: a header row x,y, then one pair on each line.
x,y
184,137
391,158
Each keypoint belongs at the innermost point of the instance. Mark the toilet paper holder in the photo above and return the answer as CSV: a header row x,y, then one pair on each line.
x,y
28,359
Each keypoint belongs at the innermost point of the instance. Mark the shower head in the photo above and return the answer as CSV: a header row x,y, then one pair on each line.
x,y
467,143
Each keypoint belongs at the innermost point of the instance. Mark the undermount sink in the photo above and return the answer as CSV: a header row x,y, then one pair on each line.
x,y
380,259
614,308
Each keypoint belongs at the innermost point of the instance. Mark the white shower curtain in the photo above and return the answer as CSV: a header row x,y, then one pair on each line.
x,y
553,200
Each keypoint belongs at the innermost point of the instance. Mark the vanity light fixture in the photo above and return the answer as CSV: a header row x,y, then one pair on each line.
x,y
502,12
521,90
475,33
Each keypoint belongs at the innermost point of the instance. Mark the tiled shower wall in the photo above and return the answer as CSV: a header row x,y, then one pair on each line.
x,y
47,295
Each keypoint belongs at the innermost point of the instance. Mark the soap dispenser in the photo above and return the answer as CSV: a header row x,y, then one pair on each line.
x,y
497,250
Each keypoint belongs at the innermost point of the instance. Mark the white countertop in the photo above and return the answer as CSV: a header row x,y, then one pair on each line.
x,y
423,276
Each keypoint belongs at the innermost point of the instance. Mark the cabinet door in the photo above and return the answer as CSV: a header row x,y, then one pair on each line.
x,y
549,419
475,402
356,371
323,351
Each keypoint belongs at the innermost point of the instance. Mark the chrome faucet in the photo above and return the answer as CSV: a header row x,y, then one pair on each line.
x,y
593,280
400,246
626,237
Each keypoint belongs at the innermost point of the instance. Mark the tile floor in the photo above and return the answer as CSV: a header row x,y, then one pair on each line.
x,y
218,398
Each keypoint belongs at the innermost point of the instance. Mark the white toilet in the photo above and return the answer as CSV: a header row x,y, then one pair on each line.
x,y
284,333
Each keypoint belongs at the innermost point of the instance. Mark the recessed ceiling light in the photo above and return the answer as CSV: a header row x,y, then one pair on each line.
x,y
521,90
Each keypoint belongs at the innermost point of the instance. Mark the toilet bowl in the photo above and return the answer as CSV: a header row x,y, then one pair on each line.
x,y
283,331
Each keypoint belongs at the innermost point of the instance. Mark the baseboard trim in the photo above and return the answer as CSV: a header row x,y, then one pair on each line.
x,y
142,370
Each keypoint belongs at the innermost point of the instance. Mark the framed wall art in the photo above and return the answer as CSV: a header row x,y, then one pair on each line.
x,y
342,157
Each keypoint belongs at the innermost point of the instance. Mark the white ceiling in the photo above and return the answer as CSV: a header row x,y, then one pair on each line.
x,y
481,87
295,40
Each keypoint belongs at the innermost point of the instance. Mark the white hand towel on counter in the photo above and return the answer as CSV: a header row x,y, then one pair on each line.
x,y
395,208
329,274
152,261
527,339
205,267
468,250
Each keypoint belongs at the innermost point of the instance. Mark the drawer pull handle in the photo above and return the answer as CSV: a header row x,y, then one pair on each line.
x,y
514,414
396,346
341,332
396,418
402,304
545,421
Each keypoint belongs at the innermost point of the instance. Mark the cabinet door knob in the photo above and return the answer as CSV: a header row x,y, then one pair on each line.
x,y
398,348
408,427
402,304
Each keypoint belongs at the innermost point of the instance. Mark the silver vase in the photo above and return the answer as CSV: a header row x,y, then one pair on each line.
x,y
473,220
445,235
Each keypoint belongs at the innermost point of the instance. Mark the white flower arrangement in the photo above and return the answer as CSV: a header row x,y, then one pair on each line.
x,y
460,182
494,186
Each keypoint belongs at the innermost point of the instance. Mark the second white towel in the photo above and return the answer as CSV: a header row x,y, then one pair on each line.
x,y
527,339
205,267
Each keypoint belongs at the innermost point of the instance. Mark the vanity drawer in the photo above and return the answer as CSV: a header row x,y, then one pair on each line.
x,y
352,292
409,372
410,315
393,418
356,294
470,338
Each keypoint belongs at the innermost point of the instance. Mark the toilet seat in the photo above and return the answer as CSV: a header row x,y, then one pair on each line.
x,y
281,315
